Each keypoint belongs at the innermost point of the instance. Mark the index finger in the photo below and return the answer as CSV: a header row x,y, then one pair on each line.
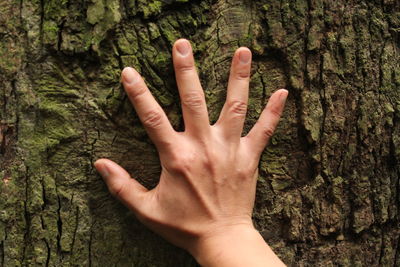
x,y
149,111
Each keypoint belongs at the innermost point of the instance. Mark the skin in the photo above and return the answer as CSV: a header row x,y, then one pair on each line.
x,y
205,197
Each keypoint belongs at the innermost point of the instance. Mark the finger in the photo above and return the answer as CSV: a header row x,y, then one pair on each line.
x,y
234,111
149,111
262,131
130,192
194,107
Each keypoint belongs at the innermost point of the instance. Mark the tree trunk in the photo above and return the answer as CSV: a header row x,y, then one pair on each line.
x,y
328,192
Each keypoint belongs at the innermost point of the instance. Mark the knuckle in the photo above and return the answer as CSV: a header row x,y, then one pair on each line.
x,y
238,107
245,172
116,189
243,74
152,119
268,132
181,163
185,68
193,100
275,111
210,158
209,162
177,162
186,167
182,167
136,92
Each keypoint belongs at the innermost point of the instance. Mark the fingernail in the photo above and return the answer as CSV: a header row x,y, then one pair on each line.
x,y
102,169
183,47
244,56
283,96
128,75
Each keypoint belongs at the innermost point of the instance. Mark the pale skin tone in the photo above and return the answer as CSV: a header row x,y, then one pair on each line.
x,y
204,200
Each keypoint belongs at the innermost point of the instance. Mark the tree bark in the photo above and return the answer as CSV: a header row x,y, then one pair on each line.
x,y
328,192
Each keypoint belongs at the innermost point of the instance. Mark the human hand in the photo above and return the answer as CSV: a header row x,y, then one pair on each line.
x,y
209,172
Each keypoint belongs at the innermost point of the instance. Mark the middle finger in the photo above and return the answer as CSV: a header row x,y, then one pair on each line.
x,y
194,106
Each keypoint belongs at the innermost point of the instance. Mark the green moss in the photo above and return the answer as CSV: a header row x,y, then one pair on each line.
x,y
50,32
127,42
188,21
154,32
163,60
110,72
131,61
55,13
312,115
330,64
150,8
11,55
165,99
280,184
314,38
200,12
95,11
55,10
388,108
103,14
168,31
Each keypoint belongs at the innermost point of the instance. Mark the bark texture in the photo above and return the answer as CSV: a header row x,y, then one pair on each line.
x,y
328,192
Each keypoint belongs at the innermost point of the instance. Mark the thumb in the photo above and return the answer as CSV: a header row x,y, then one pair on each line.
x,y
120,184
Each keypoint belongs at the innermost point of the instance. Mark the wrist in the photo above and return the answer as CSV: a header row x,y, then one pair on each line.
x,y
212,243
234,245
